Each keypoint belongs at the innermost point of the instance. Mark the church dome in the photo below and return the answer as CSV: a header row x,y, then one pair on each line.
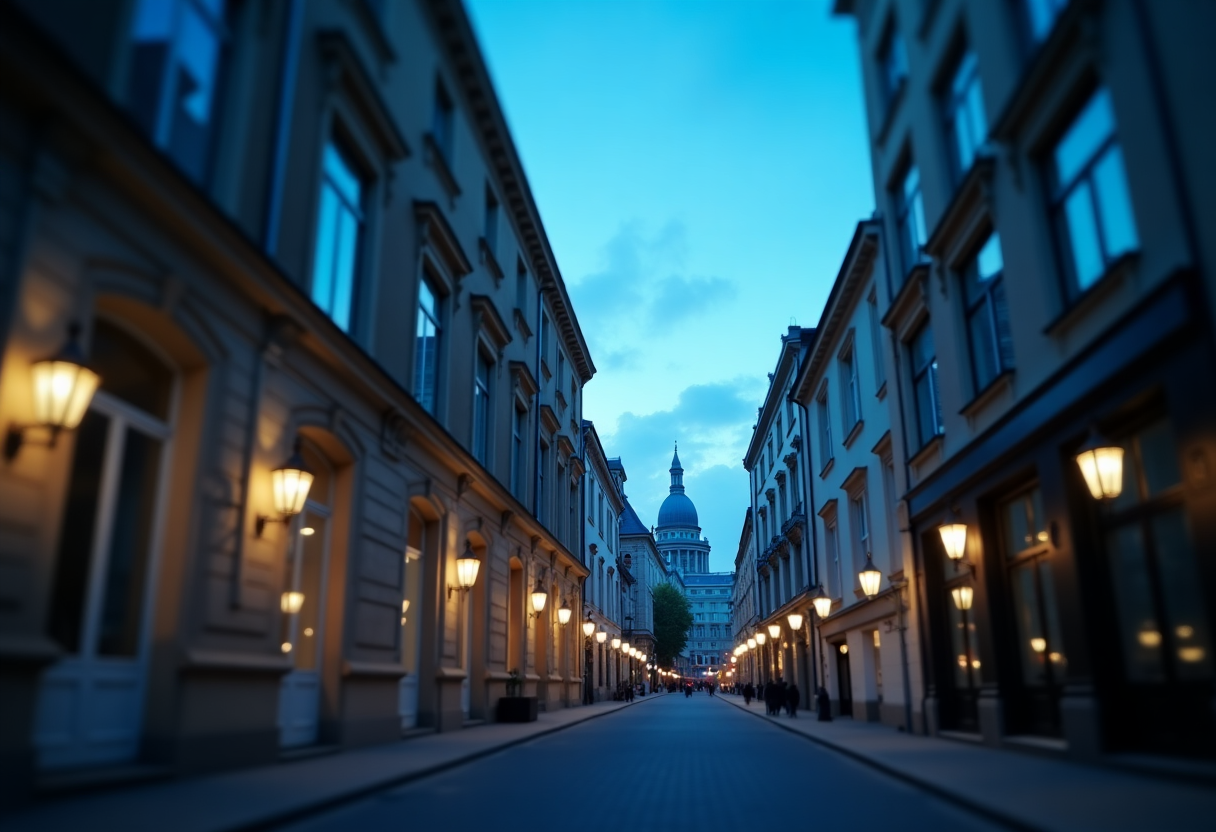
x,y
677,510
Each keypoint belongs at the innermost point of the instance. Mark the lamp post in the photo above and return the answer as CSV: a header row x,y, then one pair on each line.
x,y
588,658
822,605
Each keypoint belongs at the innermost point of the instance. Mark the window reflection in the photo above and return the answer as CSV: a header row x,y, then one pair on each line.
x,y
339,228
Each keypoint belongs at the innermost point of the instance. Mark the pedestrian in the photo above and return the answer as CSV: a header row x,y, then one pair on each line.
x,y
825,705
749,693
769,690
791,700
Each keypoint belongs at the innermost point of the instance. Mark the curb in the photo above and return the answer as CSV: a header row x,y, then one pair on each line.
x,y
987,812
302,811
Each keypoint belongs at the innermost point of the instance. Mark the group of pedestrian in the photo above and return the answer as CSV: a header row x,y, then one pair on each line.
x,y
777,695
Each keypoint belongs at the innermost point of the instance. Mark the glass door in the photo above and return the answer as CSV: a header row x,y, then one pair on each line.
x,y
302,613
411,633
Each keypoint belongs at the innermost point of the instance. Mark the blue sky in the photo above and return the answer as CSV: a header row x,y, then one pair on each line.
x,y
699,167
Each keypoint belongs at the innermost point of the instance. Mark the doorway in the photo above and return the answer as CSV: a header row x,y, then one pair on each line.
x,y
90,703
411,632
302,609
844,679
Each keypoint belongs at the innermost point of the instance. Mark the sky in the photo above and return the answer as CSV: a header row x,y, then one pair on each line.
x,y
699,167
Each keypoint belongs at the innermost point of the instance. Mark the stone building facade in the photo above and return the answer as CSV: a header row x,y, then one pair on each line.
x,y
309,230
608,598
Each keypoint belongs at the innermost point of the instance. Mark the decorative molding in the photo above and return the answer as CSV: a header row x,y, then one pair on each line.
x,y
486,318
345,69
463,483
436,233
524,380
549,420
505,520
490,261
395,433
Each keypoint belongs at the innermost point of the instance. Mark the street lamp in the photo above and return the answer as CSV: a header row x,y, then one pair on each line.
x,y
63,388
539,597
1102,467
564,612
588,626
616,642
601,636
795,619
963,596
954,539
289,485
870,578
774,631
761,638
466,570
751,643
822,603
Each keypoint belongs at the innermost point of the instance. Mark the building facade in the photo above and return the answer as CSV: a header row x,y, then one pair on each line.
x,y
608,597
844,387
743,607
1055,144
239,230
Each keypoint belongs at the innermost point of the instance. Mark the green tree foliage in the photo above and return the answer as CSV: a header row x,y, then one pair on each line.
x,y
672,621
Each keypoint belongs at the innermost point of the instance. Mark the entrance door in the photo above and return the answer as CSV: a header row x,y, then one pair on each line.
x,y
844,680
303,621
411,609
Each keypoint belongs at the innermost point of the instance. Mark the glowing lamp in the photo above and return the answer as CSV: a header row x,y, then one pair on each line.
x,y
963,595
616,642
774,631
954,538
291,602
290,482
564,612
539,597
601,636
466,569
751,644
795,619
1102,467
870,578
588,626
761,638
822,603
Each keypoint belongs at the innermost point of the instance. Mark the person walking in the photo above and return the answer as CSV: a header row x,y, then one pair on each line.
x,y
825,704
769,691
791,700
749,692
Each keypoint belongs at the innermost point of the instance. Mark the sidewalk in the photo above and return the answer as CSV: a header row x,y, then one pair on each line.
x,y
255,798
1018,790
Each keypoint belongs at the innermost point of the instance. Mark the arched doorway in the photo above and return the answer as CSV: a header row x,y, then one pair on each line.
x,y
418,541
302,608
90,702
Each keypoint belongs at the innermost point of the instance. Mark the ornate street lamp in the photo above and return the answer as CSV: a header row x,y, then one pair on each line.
x,y
290,483
539,597
63,388
822,603
761,637
954,539
1102,467
963,596
774,631
870,578
616,642
795,619
466,570
751,643
564,612
588,626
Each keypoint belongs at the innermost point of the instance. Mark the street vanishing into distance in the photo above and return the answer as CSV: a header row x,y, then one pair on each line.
x,y
666,763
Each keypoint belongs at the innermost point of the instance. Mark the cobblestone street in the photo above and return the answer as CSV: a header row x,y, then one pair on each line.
x,y
674,763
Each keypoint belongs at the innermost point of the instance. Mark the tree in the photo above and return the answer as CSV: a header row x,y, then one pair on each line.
x,y
672,621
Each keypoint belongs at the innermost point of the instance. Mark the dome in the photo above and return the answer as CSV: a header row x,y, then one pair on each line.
x,y
677,510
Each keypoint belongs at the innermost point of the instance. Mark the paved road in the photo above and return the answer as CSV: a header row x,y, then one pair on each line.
x,y
667,764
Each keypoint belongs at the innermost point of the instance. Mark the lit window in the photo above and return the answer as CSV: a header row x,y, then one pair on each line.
x,y
987,315
965,120
1091,204
178,49
426,346
339,227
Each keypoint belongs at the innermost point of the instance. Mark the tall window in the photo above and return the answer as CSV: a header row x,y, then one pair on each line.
x,y
1041,16
780,435
910,216
832,545
1159,597
443,122
544,337
987,315
924,385
339,227
521,288
965,119
1092,208
851,390
491,222
894,63
861,526
542,496
426,346
481,408
519,423
880,373
825,427
176,62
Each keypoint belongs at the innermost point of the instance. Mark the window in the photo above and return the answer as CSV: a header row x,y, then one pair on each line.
x,y
910,216
1091,205
987,315
771,458
521,288
176,63
880,374
861,527
519,426
1154,565
544,337
965,120
561,370
339,227
832,545
825,426
426,346
1041,16
852,390
893,58
481,408
924,385
542,512
780,435
443,122
491,222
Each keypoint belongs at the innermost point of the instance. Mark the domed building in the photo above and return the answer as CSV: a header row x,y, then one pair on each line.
x,y
678,534
686,553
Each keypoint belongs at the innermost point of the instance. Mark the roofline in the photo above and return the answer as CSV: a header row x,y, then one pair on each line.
x,y
459,42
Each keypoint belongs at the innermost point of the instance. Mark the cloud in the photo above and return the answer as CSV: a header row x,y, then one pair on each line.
x,y
643,285
713,424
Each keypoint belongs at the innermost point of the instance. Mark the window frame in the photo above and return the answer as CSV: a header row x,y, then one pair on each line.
x,y
956,111
433,285
990,296
929,369
343,152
